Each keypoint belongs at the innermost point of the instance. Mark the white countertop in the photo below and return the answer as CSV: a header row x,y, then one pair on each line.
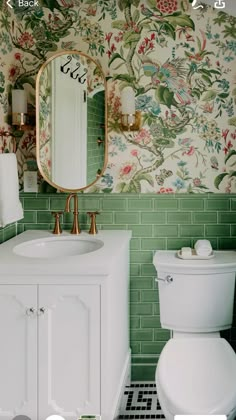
x,y
97,262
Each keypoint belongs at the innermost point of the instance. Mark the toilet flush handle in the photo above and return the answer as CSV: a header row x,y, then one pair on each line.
x,y
168,279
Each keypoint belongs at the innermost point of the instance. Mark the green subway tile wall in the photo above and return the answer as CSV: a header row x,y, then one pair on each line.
x,y
8,232
95,152
157,222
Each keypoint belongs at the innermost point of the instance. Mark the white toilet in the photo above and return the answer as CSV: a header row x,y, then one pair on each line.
x,y
196,371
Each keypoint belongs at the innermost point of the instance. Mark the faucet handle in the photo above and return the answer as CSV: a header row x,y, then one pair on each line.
x,y
57,228
93,228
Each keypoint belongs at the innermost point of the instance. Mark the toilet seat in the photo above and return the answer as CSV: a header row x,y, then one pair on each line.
x,y
197,376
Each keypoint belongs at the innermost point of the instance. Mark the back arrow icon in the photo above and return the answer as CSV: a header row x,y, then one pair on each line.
x,y
8,3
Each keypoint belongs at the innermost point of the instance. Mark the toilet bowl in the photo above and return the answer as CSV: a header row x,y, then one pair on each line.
x,y
196,371
197,376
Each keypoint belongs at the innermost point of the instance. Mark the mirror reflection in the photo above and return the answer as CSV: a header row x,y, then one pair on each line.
x,y
71,121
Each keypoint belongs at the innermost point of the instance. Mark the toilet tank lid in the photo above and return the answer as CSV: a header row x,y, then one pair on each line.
x,y
197,376
223,262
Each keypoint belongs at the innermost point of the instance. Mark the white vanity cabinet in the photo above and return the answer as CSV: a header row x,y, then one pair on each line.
x,y
64,332
50,343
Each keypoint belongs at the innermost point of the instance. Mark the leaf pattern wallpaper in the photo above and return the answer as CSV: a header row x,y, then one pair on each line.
x,y
180,63
45,120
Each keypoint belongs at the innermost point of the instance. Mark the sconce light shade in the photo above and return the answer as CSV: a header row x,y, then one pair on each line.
x,y
127,101
19,101
19,106
130,119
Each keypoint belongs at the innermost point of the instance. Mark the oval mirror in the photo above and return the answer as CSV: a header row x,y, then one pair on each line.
x,y
71,115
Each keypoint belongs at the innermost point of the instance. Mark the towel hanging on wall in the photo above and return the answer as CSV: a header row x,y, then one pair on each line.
x,y
10,205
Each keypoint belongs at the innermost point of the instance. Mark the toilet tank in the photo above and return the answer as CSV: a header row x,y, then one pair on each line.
x,y
199,296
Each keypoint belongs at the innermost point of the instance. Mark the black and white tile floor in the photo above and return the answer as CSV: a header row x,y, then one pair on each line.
x,y
140,402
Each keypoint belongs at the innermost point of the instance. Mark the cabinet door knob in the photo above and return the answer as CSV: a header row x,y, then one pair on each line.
x,y
41,311
30,311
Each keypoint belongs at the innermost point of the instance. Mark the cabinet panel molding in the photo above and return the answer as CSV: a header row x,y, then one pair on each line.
x,y
69,350
18,361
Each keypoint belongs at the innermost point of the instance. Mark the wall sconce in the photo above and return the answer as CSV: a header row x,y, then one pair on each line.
x,y
19,107
130,119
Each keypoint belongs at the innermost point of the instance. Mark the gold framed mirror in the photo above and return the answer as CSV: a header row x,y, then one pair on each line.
x,y
71,121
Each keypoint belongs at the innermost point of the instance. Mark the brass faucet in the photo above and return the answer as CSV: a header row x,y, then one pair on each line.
x,y
75,228
93,228
57,228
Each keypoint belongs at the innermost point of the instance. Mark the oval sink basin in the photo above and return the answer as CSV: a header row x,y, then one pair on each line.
x,y
57,247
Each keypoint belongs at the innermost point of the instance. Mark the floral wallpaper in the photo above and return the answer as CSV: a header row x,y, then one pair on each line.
x,y
45,120
181,65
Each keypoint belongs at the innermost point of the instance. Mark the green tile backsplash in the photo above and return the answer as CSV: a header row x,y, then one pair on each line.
x,y
7,232
157,222
95,130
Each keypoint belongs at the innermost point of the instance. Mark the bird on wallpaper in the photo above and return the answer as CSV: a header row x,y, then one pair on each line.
x,y
171,74
214,163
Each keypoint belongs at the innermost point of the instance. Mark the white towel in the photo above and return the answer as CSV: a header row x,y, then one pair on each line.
x,y
203,248
10,205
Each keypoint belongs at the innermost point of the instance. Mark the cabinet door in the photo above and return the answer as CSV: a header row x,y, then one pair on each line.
x,y
18,351
69,350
